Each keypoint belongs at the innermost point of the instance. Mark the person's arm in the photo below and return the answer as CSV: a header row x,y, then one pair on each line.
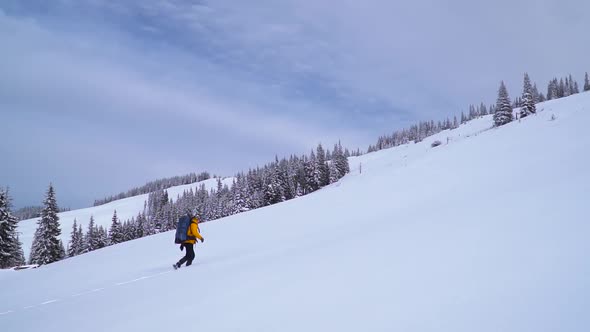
x,y
195,231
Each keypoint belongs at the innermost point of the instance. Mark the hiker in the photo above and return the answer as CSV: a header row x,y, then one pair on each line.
x,y
192,235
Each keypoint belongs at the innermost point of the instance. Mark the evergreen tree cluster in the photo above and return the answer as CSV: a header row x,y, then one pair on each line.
x,y
30,212
474,113
537,96
416,133
97,237
156,185
530,96
11,252
566,86
278,181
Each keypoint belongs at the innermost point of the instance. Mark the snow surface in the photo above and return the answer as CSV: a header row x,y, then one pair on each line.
x,y
126,208
486,233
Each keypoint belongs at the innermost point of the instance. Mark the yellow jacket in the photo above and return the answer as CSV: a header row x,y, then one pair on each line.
x,y
193,230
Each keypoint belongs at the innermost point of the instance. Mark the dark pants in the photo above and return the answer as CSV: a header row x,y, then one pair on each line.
x,y
190,255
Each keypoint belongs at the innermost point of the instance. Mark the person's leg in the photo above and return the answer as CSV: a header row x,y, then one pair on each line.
x,y
186,255
190,254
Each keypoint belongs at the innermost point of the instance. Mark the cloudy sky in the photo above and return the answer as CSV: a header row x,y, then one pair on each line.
x,y
98,96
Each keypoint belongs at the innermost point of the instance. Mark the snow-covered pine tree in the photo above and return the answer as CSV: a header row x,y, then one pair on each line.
x,y
116,232
102,238
61,250
322,167
483,110
340,159
503,114
567,88
10,246
310,167
284,181
561,89
536,96
128,230
237,202
472,113
541,97
75,246
334,174
139,226
81,240
20,254
47,247
274,191
528,102
573,85
91,238
552,89
586,83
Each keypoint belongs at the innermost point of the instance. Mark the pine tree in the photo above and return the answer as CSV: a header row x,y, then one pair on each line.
x,y
536,94
573,85
75,246
334,174
90,238
528,102
322,166
139,226
586,83
20,254
310,171
561,89
567,87
553,89
541,97
61,253
47,247
116,232
10,246
483,109
503,114
340,160
81,241
102,238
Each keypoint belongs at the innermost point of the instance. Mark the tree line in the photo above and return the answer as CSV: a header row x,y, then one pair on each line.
x,y
159,184
563,87
30,212
504,112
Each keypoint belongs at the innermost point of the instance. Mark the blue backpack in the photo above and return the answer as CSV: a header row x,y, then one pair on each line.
x,y
182,229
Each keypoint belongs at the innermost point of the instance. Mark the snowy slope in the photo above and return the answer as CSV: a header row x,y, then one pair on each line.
x,y
487,233
126,209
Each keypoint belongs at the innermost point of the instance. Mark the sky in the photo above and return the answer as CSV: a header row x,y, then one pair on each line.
x,y
100,96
